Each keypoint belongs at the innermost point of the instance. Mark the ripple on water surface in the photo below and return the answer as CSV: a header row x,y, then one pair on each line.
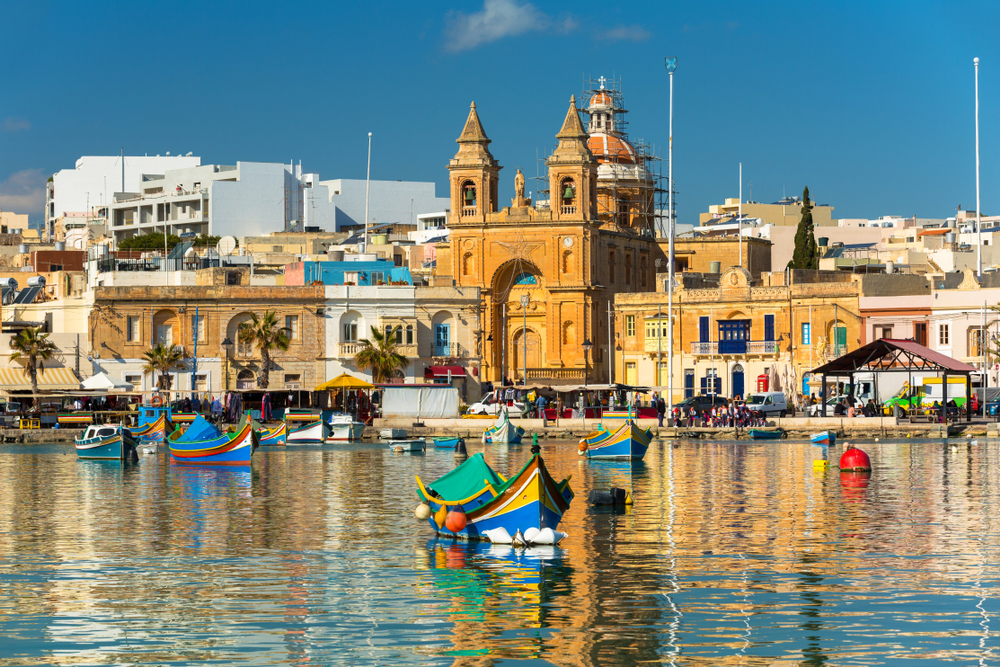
x,y
734,553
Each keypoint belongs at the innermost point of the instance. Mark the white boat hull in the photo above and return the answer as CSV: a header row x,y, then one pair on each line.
x,y
414,445
346,431
311,434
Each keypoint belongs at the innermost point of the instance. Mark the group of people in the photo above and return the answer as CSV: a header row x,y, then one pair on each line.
x,y
736,414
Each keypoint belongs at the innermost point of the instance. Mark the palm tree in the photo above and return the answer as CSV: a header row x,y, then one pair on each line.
x,y
379,356
35,348
160,359
265,333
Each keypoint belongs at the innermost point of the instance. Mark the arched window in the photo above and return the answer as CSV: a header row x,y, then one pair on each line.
x,y
526,279
469,198
567,193
246,380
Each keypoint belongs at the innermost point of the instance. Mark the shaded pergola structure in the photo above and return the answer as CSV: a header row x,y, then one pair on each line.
x,y
889,355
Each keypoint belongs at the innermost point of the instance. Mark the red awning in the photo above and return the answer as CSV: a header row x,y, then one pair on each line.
x,y
443,371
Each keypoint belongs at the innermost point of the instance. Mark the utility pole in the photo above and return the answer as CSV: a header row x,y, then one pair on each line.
x,y
671,64
979,222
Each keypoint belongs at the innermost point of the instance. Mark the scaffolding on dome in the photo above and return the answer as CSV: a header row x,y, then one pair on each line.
x,y
630,193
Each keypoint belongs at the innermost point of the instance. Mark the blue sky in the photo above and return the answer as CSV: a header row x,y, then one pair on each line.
x,y
870,104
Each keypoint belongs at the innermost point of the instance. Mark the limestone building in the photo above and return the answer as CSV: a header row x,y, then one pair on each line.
x,y
548,271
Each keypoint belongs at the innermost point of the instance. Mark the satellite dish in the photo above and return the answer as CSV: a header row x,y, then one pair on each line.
x,y
226,246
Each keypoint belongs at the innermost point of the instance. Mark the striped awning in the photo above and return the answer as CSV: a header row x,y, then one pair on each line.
x,y
15,379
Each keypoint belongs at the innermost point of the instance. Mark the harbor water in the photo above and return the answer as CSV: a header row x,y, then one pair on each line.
x,y
734,553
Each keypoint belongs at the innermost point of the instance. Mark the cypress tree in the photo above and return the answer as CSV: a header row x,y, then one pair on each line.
x,y
806,253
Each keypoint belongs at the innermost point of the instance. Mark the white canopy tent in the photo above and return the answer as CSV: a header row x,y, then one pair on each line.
x,y
104,382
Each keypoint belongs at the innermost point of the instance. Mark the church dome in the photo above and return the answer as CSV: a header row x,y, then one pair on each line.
x,y
600,101
610,148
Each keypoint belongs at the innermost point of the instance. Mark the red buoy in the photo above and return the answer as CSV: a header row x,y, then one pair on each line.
x,y
456,520
854,460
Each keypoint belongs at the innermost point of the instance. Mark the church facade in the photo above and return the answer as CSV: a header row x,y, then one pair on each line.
x,y
549,271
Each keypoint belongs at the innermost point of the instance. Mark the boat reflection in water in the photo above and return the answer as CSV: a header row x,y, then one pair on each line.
x,y
499,596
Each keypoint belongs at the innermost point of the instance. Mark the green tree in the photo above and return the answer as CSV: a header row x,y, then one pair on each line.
x,y
378,356
265,333
161,359
806,253
35,348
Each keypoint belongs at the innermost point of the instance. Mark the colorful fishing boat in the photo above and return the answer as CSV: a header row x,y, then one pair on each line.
x,y
628,441
407,445
203,443
274,436
824,438
153,431
448,443
345,427
766,433
303,427
74,419
474,502
503,432
105,441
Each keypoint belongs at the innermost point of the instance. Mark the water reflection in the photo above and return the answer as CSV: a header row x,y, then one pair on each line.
x,y
733,552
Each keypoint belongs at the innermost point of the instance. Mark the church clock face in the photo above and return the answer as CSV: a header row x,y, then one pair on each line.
x,y
568,242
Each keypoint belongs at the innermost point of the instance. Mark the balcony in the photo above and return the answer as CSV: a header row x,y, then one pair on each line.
x,y
733,347
569,210
348,350
468,211
451,351
578,374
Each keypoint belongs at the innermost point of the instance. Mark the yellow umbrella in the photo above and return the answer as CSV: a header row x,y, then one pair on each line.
x,y
344,381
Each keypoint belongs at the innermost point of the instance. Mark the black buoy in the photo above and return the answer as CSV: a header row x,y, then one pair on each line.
x,y
535,448
460,447
613,496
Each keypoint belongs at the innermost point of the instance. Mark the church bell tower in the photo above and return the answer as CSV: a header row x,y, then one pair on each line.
x,y
475,174
572,171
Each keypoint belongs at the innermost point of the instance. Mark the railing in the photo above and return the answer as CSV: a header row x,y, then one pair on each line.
x,y
732,347
552,374
568,210
450,350
468,211
349,349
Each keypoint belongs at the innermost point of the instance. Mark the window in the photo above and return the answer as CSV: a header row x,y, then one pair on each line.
x,y
350,277
409,334
135,381
944,334
883,332
293,381
628,268
198,328
611,266
976,342
806,333
839,339
394,332
630,326
351,332
134,329
165,335
292,324
377,277
920,333
711,383
703,330
201,382
769,327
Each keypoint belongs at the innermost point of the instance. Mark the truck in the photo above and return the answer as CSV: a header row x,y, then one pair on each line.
x,y
491,402
924,394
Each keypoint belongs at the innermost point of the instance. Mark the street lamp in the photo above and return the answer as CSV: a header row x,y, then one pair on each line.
x,y
586,374
227,345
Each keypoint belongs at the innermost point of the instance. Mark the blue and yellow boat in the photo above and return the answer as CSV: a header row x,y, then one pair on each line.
x,y
529,502
271,436
626,442
203,443
104,441
448,443
151,431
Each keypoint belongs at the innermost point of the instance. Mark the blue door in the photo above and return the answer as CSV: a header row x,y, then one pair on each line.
x,y
442,340
688,384
737,381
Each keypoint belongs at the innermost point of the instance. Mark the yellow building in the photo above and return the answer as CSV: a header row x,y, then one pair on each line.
x,y
549,271
784,213
735,329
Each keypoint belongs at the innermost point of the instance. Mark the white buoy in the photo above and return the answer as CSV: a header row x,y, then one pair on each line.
x,y
549,536
531,535
498,535
422,511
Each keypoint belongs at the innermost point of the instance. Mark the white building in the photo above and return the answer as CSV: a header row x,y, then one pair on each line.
x,y
248,199
92,184
389,201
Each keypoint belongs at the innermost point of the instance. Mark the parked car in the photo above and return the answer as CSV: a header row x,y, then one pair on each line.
x,y
702,402
769,402
831,405
490,404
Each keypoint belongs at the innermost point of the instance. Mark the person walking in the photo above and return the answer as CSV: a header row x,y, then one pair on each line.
x,y
661,409
541,403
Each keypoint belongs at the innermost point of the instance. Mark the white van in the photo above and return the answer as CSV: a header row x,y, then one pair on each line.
x,y
490,404
769,402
